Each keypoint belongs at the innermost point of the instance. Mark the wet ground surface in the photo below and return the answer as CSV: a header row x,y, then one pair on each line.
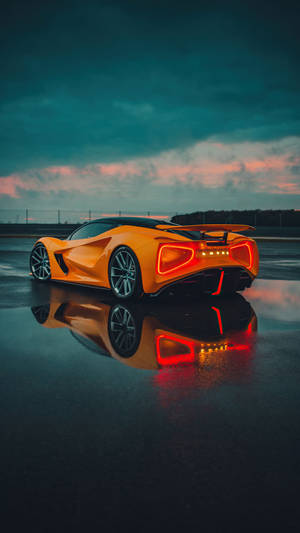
x,y
159,415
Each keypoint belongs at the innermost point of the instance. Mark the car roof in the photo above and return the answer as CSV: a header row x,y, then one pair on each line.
x,y
140,222
132,221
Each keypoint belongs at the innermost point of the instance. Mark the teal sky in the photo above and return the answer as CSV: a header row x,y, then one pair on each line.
x,y
150,105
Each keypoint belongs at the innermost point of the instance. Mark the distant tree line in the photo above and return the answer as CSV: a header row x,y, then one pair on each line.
x,y
257,217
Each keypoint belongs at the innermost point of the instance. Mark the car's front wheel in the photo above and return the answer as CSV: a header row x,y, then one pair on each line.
x,y
39,263
125,274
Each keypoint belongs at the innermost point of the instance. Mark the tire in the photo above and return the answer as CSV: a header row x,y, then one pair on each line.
x,y
39,263
124,274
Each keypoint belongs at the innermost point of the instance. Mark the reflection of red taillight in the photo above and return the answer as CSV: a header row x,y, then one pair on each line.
x,y
173,351
174,256
219,288
219,317
242,253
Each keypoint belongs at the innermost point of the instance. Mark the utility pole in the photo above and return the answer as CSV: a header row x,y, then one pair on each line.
x,y
26,216
90,215
58,216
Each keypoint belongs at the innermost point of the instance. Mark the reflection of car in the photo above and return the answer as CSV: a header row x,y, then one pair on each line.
x,y
151,337
134,256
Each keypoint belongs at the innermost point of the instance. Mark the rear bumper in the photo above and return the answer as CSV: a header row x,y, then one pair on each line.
x,y
213,281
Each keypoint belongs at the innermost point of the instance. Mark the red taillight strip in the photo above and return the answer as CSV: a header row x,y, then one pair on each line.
x,y
190,249
239,347
175,359
249,249
219,286
219,319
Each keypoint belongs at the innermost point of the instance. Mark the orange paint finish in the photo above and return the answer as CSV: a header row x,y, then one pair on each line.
x,y
87,260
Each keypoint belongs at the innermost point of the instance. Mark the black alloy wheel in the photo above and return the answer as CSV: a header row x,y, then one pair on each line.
x,y
124,274
39,263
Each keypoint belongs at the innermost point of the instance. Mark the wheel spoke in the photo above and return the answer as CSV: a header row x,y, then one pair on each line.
x,y
125,318
119,283
123,287
128,285
123,339
115,326
120,334
119,314
114,268
124,259
119,262
36,256
127,261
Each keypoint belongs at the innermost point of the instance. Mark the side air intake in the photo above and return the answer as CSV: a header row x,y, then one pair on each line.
x,y
59,258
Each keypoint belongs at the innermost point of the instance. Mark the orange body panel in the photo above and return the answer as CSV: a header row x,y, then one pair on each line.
x,y
87,260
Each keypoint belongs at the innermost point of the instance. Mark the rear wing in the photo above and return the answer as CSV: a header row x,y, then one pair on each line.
x,y
207,227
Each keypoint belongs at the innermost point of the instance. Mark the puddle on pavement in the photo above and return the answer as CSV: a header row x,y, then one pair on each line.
x,y
219,336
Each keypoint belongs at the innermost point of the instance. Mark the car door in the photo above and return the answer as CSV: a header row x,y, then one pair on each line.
x,y
85,250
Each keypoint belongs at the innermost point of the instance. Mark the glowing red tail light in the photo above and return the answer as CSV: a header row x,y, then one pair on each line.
x,y
172,350
171,257
242,253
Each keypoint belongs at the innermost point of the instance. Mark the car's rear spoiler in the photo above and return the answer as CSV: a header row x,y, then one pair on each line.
x,y
207,227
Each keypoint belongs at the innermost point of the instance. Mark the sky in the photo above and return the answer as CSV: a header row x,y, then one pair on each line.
x,y
150,105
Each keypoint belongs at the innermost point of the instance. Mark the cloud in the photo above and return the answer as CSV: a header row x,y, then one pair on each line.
x,y
239,170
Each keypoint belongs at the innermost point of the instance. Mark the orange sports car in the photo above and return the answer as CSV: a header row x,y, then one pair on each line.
x,y
136,256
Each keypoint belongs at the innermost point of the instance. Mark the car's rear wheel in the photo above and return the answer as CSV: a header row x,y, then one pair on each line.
x,y
39,263
125,274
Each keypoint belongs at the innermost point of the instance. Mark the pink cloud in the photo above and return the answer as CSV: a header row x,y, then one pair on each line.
x,y
62,170
262,167
288,188
121,169
8,186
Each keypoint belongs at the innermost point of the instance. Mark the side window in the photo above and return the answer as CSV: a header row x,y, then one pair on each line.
x,y
90,230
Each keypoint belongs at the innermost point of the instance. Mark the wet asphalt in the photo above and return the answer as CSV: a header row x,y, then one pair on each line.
x,y
189,418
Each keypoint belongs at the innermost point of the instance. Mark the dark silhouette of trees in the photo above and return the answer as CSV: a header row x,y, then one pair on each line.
x,y
257,217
